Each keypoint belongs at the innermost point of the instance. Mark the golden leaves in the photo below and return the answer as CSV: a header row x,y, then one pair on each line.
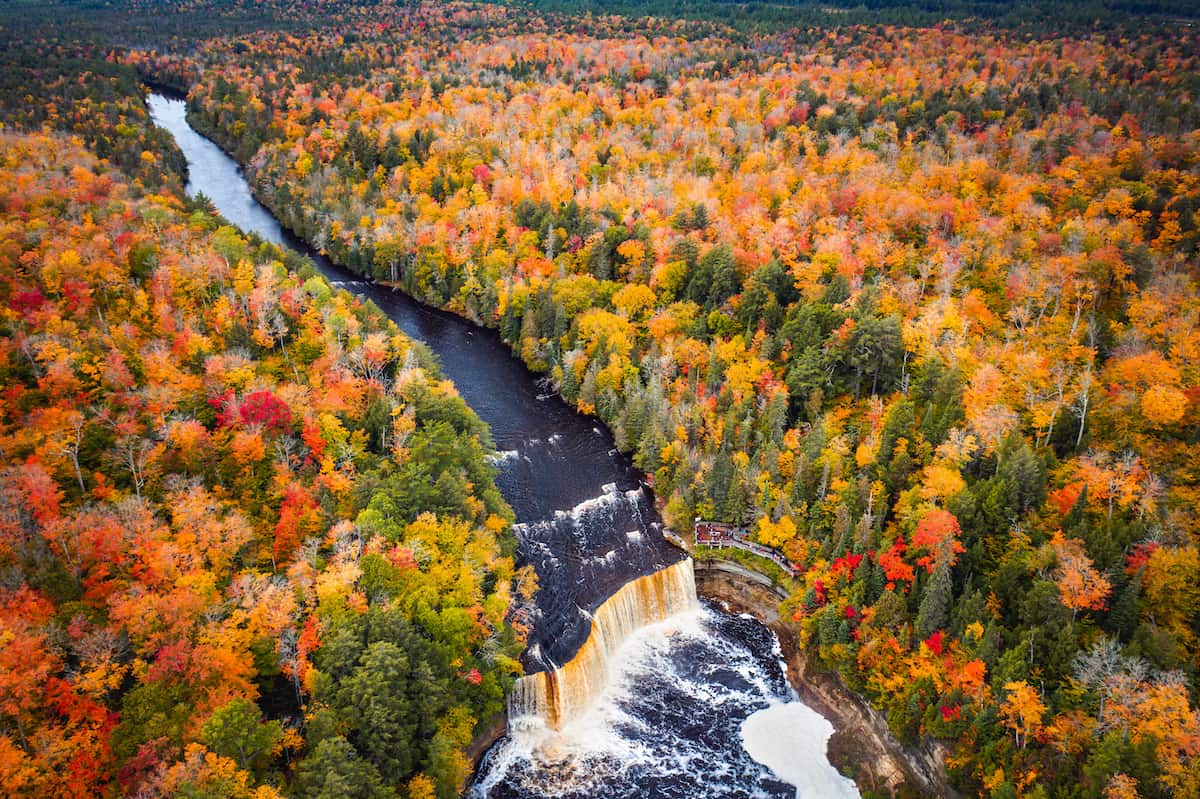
x,y
1163,405
1022,711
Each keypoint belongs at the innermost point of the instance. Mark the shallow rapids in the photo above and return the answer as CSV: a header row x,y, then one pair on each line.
x,y
667,725
667,720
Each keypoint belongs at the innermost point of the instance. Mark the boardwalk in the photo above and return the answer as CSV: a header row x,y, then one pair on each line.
x,y
718,535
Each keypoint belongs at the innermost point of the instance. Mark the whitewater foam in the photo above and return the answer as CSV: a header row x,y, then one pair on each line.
x,y
790,739
560,695
595,745
668,723
612,496
504,456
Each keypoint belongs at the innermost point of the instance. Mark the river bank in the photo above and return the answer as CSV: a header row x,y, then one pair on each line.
x,y
586,523
862,745
485,372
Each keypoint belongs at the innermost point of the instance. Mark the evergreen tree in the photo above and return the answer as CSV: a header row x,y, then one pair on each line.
x,y
1123,618
934,611
374,700
334,770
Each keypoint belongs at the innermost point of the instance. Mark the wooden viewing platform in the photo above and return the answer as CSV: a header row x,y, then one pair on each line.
x,y
719,535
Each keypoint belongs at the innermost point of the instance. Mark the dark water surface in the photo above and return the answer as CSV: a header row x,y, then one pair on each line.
x,y
669,725
584,520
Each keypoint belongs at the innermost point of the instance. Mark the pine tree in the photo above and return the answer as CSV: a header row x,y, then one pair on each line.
x,y
335,771
1123,619
934,611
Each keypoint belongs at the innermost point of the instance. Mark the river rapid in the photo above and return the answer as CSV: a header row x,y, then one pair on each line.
x,y
670,721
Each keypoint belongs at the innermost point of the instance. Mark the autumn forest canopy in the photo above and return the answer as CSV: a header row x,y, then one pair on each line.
x,y
912,295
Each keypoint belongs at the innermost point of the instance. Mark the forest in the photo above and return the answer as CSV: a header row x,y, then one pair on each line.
x,y
918,305
231,498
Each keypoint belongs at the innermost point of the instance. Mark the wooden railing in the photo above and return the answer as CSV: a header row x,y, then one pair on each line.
x,y
720,536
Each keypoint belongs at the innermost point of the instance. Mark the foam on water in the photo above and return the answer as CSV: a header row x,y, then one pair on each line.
x,y
668,724
612,496
791,739
504,456
586,507
608,558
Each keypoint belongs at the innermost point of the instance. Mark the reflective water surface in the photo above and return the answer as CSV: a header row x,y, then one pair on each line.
x,y
668,725
584,519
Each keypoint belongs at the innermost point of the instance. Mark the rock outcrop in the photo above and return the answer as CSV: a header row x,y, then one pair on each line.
x,y
862,745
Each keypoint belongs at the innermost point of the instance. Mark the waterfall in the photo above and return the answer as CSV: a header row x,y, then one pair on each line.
x,y
554,697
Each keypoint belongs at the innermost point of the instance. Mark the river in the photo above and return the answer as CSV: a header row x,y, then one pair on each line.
x,y
669,723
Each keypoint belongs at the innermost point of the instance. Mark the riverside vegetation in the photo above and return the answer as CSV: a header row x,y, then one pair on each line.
x,y
917,304
227,491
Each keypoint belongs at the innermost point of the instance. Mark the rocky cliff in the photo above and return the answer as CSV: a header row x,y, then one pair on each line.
x,y
861,745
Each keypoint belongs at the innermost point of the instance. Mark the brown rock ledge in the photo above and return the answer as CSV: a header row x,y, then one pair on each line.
x,y
861,744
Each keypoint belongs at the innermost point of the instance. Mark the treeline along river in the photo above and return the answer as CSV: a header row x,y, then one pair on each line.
x,y
664,718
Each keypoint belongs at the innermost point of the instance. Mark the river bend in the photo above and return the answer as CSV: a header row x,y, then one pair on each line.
x,y
669,724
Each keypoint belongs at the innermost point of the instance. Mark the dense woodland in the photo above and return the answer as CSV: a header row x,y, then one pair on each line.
x,y
246,530
918,305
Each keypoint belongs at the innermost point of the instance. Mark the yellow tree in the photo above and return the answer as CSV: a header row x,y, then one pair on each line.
x,y
1172,586
776,534
1022,712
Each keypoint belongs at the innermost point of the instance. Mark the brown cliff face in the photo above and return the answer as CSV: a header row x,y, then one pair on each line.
x,y
861,744
484,740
